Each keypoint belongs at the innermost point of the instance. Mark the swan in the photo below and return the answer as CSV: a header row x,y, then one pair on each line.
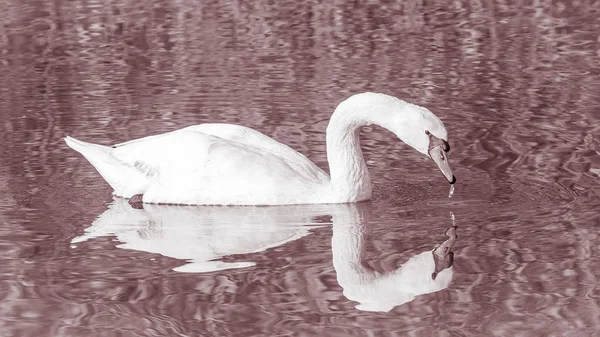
x,y
423,273
224,164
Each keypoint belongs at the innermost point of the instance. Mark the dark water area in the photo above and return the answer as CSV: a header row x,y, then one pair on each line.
x,y
516,84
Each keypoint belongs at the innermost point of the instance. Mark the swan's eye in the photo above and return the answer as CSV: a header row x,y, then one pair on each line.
x,y
445,146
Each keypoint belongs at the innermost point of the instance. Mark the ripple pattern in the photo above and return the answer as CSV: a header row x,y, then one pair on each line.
x,y
515,83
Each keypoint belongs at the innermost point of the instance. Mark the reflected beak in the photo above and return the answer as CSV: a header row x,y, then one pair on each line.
x,y
443,257
441,159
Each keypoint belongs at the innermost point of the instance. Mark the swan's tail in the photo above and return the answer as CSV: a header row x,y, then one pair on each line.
x,y
123,178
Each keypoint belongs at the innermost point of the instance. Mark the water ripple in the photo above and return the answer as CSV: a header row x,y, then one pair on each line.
x,y
515,84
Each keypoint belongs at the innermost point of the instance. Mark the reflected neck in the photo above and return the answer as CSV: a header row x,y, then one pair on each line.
x,y
348,248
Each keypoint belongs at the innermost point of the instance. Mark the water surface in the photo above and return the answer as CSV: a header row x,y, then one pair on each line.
x,y
515,84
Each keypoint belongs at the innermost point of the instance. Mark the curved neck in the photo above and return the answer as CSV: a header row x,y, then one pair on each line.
x,y
350,179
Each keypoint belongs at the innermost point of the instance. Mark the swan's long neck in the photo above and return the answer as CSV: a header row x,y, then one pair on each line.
x,y
350,179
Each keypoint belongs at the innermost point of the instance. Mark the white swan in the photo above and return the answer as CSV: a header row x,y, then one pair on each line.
x,y
424,273
224,164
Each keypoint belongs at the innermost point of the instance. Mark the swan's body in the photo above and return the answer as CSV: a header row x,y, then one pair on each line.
x,y
214,164
224,164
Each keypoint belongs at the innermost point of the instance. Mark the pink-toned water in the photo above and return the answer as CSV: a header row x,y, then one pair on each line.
x,y
515,84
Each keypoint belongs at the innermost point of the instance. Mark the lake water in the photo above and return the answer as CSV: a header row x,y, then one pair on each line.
x,y
516,84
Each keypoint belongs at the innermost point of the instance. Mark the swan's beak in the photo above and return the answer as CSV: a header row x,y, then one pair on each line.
x,y
440,157
443,257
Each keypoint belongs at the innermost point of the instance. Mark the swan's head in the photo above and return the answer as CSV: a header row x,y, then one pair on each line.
x,y
421,129
414,125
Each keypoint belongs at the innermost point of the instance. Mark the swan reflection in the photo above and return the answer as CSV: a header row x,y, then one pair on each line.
x,y
424,273
202,234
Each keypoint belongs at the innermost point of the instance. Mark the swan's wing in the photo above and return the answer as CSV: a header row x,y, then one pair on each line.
x,y
189,166
158,154
242,135
247,136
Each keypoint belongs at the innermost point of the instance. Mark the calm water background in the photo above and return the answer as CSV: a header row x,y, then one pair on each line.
x,y
516,83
